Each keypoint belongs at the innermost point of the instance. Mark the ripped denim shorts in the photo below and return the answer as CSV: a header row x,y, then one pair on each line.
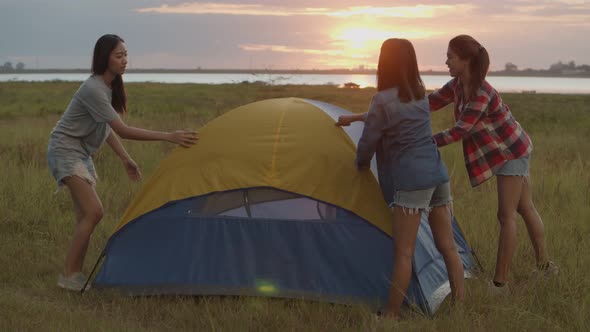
x,y
63,164
424,199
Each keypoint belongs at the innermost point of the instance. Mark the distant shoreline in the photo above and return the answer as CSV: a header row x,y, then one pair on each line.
x,y
520,73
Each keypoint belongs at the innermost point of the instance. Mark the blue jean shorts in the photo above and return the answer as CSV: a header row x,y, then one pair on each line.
x,y
62,165
515,167
424,198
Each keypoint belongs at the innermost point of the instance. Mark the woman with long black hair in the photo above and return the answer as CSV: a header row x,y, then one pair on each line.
x,y
90,120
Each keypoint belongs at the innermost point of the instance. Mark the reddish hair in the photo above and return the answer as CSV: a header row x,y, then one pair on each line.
x,y
398,68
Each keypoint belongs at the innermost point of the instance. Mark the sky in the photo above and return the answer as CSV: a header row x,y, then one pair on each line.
x,y
295,34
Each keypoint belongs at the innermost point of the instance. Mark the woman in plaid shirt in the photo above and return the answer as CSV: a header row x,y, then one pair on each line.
x,y
494,143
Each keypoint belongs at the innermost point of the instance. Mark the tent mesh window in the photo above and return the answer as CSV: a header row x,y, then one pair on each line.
x,y
265,203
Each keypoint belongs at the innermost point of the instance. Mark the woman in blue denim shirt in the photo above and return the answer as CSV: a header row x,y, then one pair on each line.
x,y
412,175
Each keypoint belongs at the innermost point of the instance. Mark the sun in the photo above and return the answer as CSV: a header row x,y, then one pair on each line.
x,y
367,37
361,44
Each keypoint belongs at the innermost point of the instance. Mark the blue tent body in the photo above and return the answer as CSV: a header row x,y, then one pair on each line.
x,y
267,241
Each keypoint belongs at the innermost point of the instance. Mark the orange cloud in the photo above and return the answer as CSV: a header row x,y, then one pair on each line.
x,y
419,11
286,49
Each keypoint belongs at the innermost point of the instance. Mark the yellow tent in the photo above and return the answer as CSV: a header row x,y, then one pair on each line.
x,y
268,202
289,144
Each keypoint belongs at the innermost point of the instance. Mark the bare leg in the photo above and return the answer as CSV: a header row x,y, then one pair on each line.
x,y
533,222
89,212
440,224
509,192
405,230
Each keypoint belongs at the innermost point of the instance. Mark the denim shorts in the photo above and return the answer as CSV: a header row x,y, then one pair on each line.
x,y
515,167
424,198
63,164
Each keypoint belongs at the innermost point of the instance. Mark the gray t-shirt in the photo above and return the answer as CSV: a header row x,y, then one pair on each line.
x,y
84,125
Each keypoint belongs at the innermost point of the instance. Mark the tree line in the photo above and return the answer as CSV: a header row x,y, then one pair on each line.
x,y
8,67
557,69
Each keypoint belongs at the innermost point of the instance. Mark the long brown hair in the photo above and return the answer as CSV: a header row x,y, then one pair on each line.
x,y
398,68
100,63
467,48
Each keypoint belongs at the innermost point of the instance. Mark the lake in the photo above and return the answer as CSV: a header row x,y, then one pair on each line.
x,y
501,83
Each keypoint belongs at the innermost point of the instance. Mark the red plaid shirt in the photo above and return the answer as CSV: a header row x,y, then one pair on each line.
x,y
489,132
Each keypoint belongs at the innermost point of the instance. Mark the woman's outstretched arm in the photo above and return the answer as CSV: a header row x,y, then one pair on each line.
x,y
184,138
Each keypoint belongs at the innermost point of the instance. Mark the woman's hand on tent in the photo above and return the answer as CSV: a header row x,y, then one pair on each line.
x,y
184,138
345,120
132,170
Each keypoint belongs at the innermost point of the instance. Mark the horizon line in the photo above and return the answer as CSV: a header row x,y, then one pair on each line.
x,y
256,70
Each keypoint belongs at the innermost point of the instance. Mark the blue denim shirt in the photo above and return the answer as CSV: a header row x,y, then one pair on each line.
x,y
401,135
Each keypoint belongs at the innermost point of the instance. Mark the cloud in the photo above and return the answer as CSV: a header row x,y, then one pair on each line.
x,y
341,34
287,49
537,11
418,11
570,20
547,16
344,45
289,34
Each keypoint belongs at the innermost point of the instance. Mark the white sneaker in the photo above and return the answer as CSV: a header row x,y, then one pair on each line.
x,y
547,270
75,282
498,291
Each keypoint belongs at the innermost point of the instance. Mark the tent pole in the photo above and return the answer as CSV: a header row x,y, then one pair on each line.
x,y
471,251
102,254
247,203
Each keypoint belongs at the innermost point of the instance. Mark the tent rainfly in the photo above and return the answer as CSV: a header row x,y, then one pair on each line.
x,y
269,203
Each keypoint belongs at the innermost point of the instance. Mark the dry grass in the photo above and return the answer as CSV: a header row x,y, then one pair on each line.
x,y
36,224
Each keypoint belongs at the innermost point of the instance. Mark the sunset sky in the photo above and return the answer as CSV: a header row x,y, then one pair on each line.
x,y
296,34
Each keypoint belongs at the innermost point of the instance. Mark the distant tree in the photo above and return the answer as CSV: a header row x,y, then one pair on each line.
x,y
510,67
351,85
571,65
557,66
20,66
7,66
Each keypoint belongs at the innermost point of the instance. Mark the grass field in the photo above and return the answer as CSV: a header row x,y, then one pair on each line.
x,y
36,224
